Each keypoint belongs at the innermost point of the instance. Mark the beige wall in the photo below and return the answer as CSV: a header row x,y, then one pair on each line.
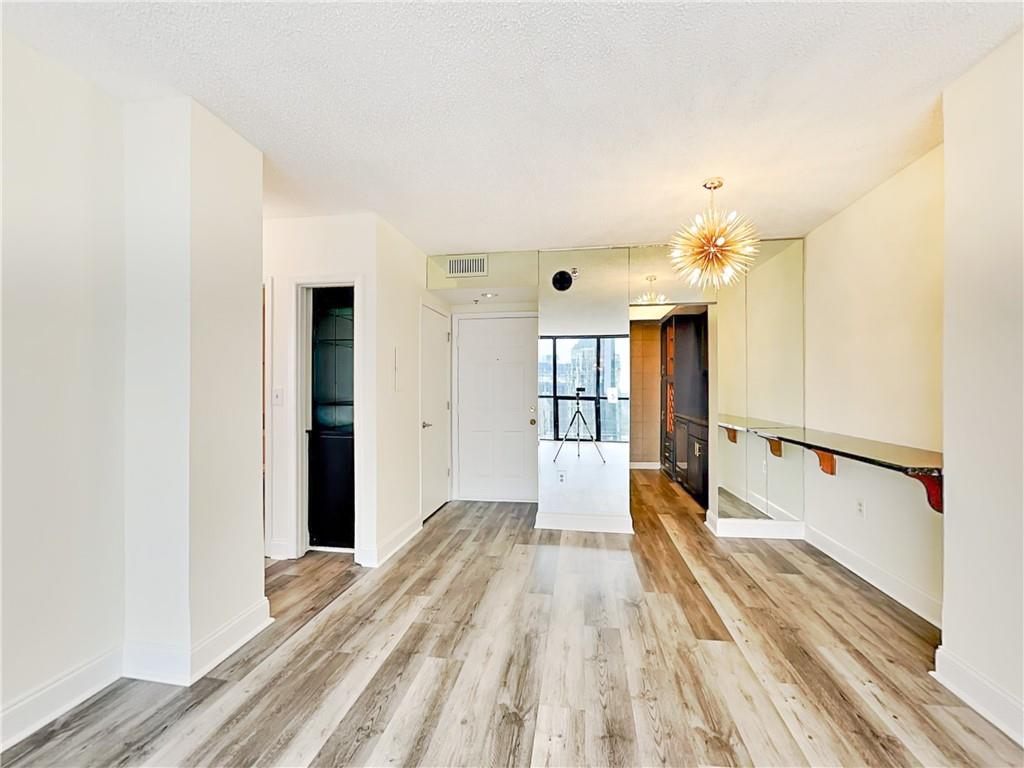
x,y
645,391
225,478
365,249
873,359
63,389
193,240
983,618
874,312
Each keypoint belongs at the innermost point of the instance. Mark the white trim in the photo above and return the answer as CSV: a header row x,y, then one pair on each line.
x,y
980,693
282,549
363,420
268,414
34,709
228,638
745,528
924,605
338,550
770,508
644,465
451,400
373,557
457,318
157,662
590,523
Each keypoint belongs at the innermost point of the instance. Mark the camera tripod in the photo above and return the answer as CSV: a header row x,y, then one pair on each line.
x,y
579,419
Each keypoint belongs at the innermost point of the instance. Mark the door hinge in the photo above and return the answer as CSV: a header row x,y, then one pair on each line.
x,y
447,405
449,471
449,335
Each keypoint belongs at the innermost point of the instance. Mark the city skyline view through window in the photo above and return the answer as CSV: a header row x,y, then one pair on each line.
x,y
599,366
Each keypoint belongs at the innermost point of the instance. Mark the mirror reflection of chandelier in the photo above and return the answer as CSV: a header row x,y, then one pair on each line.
x,y
716,248
650,296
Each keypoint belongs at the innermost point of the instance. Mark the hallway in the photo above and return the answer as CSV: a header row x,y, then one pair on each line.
x,y
489,642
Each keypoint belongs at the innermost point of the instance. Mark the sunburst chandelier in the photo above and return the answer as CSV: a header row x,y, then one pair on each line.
x,y
717,247
650,296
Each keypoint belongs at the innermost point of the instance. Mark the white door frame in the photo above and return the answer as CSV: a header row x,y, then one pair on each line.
x,y
268,413
451,398
294,540
457,319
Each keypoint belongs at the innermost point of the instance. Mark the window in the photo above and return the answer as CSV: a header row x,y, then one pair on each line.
x,y
599,367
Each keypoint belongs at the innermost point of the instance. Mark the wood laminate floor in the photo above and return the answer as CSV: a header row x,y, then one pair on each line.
x,y
487,642
731,505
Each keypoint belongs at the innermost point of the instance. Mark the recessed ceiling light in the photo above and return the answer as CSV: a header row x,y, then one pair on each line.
x,y
488,295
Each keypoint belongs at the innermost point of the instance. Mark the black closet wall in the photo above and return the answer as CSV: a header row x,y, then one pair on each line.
x,y
331,454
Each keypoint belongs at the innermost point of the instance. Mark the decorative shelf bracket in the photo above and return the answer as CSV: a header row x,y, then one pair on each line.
x,y
932,487
826,460
731,434
775,445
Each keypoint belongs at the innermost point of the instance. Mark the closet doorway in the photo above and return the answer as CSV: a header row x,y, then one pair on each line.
x,y
331,434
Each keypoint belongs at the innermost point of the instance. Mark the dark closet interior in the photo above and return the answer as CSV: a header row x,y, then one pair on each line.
x,y
331,455
684,401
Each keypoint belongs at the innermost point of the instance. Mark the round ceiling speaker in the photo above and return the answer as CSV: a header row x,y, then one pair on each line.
x,y
561,280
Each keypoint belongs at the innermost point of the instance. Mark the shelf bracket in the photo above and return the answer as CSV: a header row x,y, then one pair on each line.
x,y
826,460
731,434
775,446
932,487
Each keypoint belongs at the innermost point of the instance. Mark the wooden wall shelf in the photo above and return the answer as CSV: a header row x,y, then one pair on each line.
x,y
924,466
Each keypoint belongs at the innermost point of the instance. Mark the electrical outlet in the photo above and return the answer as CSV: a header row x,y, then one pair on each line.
x,y
861,509
562,475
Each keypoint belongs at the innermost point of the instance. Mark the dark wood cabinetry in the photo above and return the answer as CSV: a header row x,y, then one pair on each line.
x,y
684,401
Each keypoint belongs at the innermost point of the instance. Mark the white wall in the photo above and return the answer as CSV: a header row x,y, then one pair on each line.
x,y
873,369
595,496
597,304
982,634
225,524
401,271
193,530
323,249
63,387
874,312
358,248
156,486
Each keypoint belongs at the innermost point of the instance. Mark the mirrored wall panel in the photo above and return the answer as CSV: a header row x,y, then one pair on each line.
x,y
761,387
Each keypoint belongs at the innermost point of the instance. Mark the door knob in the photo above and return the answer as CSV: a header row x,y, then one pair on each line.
x,y
427,424
533,422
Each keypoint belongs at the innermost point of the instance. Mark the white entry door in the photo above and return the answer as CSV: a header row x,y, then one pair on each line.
x,y
497,408
435,365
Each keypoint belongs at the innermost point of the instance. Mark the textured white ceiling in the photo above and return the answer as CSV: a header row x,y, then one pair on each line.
x,y
476,127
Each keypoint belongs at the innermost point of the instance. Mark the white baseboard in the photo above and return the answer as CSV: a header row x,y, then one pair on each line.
x,y
229,637
592,523
183,666
280,549
924,605
645,465
157,662
33,710
746,528
339,550
980,693
372,557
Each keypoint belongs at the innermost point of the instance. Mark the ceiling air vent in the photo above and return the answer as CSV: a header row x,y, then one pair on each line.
x,y
467,266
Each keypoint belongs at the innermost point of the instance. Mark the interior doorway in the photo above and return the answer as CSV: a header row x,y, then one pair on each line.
x,y
331,451
435,413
